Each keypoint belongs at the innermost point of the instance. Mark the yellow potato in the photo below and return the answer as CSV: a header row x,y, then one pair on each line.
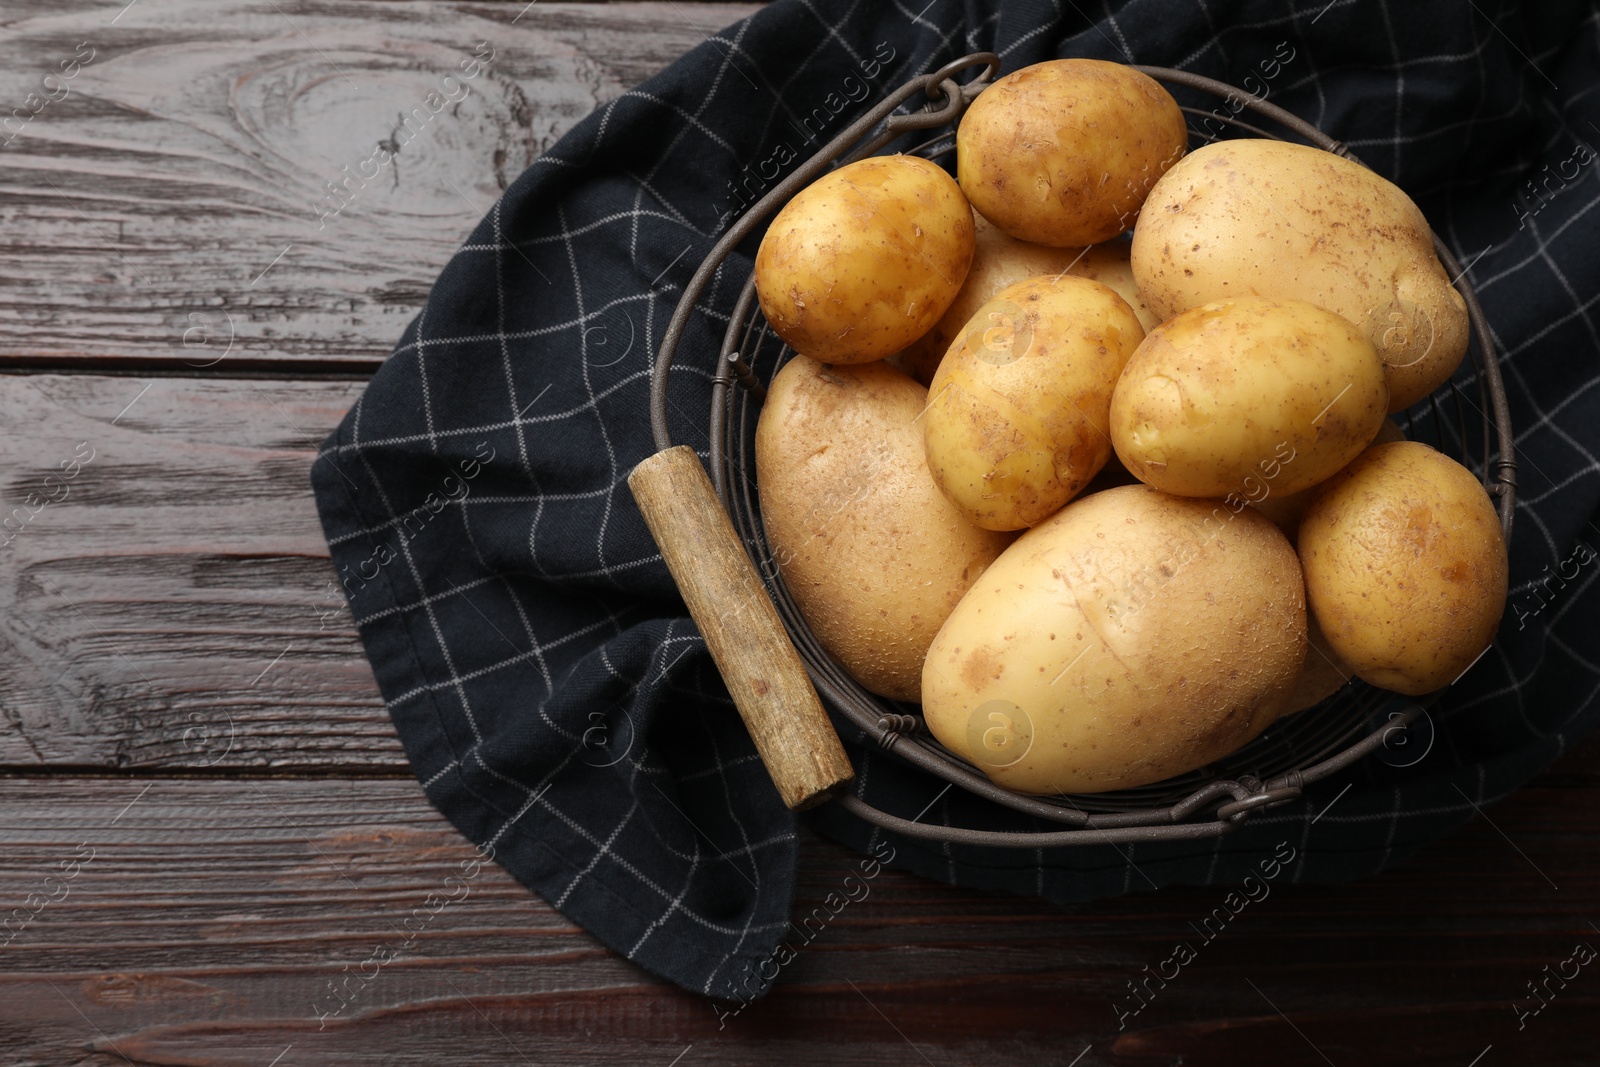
x,y
1286,509
1252,397
865,260
1132,637
1064,152
1255,217
1405,567
998,260
871,551
1109,263
1016,420
1322,675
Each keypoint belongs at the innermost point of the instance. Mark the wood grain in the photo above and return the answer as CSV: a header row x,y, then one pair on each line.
x,y
167,210
173,608
741,628
213,915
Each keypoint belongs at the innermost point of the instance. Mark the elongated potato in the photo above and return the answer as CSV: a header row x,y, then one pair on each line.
x,y
1255,217
1064,152
873,554
1405,567
1247,396
1133,636
1016,420
865,260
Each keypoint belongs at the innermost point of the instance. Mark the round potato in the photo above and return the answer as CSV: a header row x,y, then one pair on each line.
x,y
999,260
1064,152
873,554
1132,637
1250,397
1256,217
1286,509
1405,567
1016,419
865,260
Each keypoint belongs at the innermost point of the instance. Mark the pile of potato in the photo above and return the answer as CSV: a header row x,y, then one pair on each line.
x,y
1222,526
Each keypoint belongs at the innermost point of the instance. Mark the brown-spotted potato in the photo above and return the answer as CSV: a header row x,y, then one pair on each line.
x,y
1405,567
1248,396
1257,217
1064,152
1132,637
1017,412
871,551
865,259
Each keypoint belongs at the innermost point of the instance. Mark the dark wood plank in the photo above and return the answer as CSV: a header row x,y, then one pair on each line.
x,y
212,916
174,607
167,208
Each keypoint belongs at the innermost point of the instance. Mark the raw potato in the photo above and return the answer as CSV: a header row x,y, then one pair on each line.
x,y
1132,637
1254,217
1064,152
1249,397
997,261
873,554
1322,675
865,260
1286,510
1110,264
1016,420
1405,567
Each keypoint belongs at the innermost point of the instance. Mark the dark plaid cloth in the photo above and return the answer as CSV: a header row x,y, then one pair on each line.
x,y
552,695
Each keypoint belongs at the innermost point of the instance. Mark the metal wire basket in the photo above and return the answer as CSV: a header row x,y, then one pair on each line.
x,y
1271,770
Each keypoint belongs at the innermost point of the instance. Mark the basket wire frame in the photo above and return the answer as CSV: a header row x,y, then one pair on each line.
x,y
1272,769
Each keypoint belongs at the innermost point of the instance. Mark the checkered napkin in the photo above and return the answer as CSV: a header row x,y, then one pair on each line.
x,y
553,697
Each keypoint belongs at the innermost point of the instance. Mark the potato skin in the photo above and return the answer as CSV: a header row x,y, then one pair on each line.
x,y
999,260
865,260
1254,217
1286,510
1064,152
1405,567
1249,396
1016,420
871,551
1133,636
1323,674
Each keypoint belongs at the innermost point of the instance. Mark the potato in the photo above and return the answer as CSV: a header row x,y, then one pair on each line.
x,y
1110,264
1133,636
1322,675
865,260
1016,420
1064,152
998,260
872,552
1248,396
1286,509
1405,567
1255,217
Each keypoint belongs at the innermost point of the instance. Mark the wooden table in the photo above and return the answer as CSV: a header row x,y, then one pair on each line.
x,y
204,813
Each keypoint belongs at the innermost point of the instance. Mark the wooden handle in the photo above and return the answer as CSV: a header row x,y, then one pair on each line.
x,y
741,628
